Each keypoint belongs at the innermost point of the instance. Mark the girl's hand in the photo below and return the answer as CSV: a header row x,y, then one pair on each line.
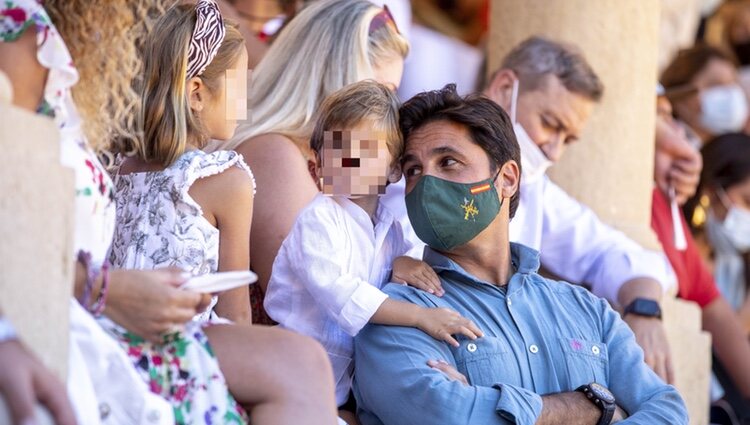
x,y
148,303
418,274
448,371
443,323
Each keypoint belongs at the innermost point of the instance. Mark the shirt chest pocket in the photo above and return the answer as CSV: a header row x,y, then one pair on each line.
x,y
487,361
584,362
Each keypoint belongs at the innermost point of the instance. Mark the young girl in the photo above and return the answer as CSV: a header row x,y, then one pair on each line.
x,y
176,205
327,277
180,207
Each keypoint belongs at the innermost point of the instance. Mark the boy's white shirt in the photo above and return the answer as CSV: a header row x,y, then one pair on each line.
x,y
327,276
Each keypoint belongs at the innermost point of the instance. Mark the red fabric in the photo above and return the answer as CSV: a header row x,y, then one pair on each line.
x,y
694,280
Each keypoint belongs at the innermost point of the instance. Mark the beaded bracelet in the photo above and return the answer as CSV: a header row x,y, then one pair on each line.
x,y
98,308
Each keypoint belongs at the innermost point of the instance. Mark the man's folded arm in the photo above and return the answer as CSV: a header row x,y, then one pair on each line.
x,y
637,389
394,383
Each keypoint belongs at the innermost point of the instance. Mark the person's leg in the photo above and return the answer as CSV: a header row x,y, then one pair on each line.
x,y
349,417
280,376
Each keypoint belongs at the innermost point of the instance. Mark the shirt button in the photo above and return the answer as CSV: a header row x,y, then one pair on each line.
x,y
154,416
471,347
509,301
534,349
595,350
104,410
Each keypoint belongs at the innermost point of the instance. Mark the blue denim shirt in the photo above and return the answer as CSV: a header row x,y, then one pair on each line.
x,y
541,337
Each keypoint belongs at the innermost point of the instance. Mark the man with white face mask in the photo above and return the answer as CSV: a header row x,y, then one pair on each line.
x,y
550,91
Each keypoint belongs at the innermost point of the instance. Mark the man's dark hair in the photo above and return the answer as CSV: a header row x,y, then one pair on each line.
x,y
488,125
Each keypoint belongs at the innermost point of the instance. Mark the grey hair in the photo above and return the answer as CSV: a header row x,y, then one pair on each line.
x,y
537,57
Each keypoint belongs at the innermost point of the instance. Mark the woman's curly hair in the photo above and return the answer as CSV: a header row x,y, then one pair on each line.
x,y
104,38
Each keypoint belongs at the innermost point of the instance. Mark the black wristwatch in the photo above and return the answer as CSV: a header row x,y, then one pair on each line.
x,y
602,398
643,307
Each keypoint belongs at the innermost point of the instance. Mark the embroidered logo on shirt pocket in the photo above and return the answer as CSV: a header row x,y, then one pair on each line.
x,y
486,361
586,361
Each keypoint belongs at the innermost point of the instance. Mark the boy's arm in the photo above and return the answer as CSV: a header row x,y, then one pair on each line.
x,y
320,260
439,323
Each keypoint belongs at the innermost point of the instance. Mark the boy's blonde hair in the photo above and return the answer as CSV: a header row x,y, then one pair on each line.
x,y
327,46
166,119
364,101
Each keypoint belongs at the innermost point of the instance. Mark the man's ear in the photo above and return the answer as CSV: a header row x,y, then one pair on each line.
x,y
195,91
509,179
500,89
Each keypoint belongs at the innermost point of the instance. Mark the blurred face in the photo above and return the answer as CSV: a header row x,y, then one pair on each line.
x,y
737,196
228,104
552,116
672,145
717,72
355,162
388,72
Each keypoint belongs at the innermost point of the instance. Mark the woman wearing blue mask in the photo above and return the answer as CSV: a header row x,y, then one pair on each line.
x,y
725,200
703,86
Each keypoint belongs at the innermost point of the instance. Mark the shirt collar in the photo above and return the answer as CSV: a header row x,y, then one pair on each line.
x,y
525,260
383,217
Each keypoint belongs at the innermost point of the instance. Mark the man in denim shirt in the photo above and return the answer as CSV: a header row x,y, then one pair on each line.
x,y
551,352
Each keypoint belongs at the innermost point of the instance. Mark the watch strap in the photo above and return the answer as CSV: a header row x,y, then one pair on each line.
x,y
643,307
607,414
607,409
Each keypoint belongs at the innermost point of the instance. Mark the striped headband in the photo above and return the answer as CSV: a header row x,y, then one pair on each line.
x,y
207,37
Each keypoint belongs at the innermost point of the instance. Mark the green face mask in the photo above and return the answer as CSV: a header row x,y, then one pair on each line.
x,y
447,214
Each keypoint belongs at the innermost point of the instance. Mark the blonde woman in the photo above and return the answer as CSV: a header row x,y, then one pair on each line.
x,y
328,45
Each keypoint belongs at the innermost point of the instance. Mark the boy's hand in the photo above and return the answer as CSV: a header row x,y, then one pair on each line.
x,y
443,323
418,274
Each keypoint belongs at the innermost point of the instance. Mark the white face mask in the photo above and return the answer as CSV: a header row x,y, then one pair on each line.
x,y
534,162
736,225
723,109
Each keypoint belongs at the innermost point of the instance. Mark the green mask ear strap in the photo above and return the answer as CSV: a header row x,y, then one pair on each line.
x,y
493,182
496,174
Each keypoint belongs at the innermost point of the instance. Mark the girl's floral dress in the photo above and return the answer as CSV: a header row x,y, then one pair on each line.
x,y
183,370
160,225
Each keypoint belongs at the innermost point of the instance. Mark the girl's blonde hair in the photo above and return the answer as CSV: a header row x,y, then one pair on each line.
x,y
327,46
168,123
